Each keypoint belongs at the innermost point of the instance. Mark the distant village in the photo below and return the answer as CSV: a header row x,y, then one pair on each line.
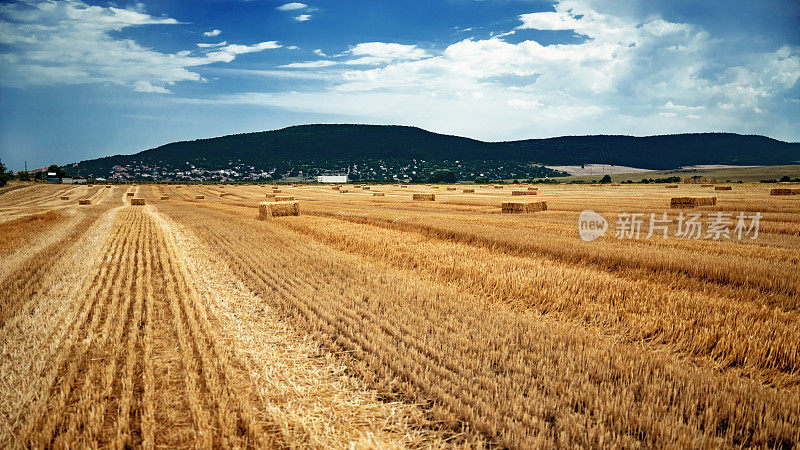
x,y
379,171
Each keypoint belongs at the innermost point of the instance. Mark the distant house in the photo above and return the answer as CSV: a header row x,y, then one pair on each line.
x,y
52,177
332,179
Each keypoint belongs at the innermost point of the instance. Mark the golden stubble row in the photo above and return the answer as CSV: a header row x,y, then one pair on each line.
x,y
522,379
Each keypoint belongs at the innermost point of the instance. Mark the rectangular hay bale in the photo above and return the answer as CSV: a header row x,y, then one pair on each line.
x,y
199,197
378,194
423,197
164,197
84,202
451,189
723,188
64,197
136,201
468,191
691,202
268,210
671,186
784,191
522,207
524,192
129,194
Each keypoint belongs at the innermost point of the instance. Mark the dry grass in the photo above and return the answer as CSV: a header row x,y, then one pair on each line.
x,y
394,323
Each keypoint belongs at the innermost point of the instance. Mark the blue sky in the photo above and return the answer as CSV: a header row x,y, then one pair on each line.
x,y
80,80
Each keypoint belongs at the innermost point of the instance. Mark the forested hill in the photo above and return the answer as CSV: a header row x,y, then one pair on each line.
x,y
335,144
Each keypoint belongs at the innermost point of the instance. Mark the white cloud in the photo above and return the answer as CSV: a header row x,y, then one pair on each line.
x,y
292,6
212,33
319,52
637,75
309,64
374,53
219,44
302,17
548,21
70,42
145,86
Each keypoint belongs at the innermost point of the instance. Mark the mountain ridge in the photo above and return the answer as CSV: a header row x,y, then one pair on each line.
x,y
339,145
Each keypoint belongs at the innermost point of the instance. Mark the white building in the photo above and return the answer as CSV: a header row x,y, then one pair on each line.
x,y
332,179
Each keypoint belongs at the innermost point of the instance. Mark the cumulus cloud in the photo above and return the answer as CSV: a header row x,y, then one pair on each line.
x,y
294,6
212,33
638,75
70,42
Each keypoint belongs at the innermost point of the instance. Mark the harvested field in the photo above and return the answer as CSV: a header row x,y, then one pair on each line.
x,y
395,323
